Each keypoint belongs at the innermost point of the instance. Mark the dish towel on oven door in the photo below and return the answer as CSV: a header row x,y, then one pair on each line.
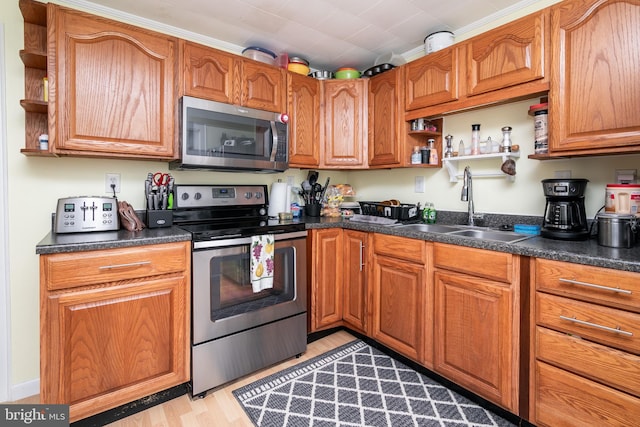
x,y
262,251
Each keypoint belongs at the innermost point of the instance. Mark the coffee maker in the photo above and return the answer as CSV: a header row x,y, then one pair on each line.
x,y
564,214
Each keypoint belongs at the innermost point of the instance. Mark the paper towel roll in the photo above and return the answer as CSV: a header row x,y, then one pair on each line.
x,y
280,199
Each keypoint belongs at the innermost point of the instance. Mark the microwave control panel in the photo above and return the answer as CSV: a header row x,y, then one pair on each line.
x,y
86,213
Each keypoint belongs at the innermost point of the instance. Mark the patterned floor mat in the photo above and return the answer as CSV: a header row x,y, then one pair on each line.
x,y
357,385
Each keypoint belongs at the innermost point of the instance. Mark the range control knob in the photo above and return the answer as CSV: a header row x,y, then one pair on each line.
x,y
184,196
263,211
197,196
248,195
258,195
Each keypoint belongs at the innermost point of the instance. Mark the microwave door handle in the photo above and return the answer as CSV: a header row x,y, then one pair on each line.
x,y
274,137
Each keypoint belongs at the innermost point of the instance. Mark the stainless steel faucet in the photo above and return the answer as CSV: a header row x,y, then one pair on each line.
x,y
467,193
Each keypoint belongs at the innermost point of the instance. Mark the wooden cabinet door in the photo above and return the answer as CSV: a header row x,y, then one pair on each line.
x,y
356,263
474,336
595,89
304,121
110,345
115,93
398,289
326,278
207,72
386,119
507,56
262,86
345,123
432,79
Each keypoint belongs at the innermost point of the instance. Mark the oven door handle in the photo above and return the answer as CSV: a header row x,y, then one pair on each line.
x,y
245,240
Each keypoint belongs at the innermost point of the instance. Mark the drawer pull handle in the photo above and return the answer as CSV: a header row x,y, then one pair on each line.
x,y
132,264
595,325
591,285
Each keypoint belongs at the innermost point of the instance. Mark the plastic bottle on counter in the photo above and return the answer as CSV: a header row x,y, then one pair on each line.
x,y
429,213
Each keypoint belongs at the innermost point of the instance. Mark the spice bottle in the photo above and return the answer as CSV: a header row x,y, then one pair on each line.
x,y
506,139
475,139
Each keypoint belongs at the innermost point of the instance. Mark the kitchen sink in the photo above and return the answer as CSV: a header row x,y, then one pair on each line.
x,y
469,231
499,236
431,228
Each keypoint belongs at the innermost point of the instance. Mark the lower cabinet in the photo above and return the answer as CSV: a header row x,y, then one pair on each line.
x,y
114,325
477,318
326,270
586,351
356,262
399,280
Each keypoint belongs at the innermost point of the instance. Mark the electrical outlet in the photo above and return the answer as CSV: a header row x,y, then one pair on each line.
x,y
419,184
109,179
290,179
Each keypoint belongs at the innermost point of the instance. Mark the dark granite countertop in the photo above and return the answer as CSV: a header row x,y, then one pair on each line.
x,y
586,252
73,242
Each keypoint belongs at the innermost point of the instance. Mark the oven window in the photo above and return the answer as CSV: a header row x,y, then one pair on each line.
x,y
231,290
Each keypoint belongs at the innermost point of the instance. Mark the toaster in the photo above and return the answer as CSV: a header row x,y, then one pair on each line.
x,y
86,213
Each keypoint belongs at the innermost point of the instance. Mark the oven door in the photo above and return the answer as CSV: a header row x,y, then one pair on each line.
x,y
223,299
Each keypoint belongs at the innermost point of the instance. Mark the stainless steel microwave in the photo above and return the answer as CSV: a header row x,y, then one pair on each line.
x,y
219,136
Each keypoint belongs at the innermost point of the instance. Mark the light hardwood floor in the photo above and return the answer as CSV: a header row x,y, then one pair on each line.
x,y
219,408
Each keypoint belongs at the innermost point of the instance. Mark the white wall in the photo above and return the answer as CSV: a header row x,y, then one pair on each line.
x,y
35,184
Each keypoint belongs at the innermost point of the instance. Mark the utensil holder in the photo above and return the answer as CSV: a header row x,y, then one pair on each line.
x,y
312,209
159,218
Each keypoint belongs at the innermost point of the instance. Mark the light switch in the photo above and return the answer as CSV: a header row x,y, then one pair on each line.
x,y
419,184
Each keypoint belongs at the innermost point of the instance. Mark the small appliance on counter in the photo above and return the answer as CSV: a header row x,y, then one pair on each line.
x,y
564,215
86,213
617,230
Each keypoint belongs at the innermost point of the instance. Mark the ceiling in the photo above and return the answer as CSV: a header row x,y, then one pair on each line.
x,y
329,33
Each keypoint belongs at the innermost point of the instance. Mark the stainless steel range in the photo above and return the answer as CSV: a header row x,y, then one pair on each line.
x,y
236,328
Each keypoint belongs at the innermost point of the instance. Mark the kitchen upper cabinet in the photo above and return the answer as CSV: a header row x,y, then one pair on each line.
x,y
477,321
344,114
207,72
304,121
432,79
595,90
263,87
219,76
114,325
509,62
356,262
34,58
400,300
507,56
327,272
114,86
386,119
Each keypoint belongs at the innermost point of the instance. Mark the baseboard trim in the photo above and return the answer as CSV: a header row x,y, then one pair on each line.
x,y
24,390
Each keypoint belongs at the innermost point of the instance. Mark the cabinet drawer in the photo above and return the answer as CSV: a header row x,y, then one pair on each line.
x,y
478,262
615,368
565,399
401,247
66,270
608,326
602,285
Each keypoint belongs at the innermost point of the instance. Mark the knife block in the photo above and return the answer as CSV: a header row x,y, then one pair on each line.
x,y
159,218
